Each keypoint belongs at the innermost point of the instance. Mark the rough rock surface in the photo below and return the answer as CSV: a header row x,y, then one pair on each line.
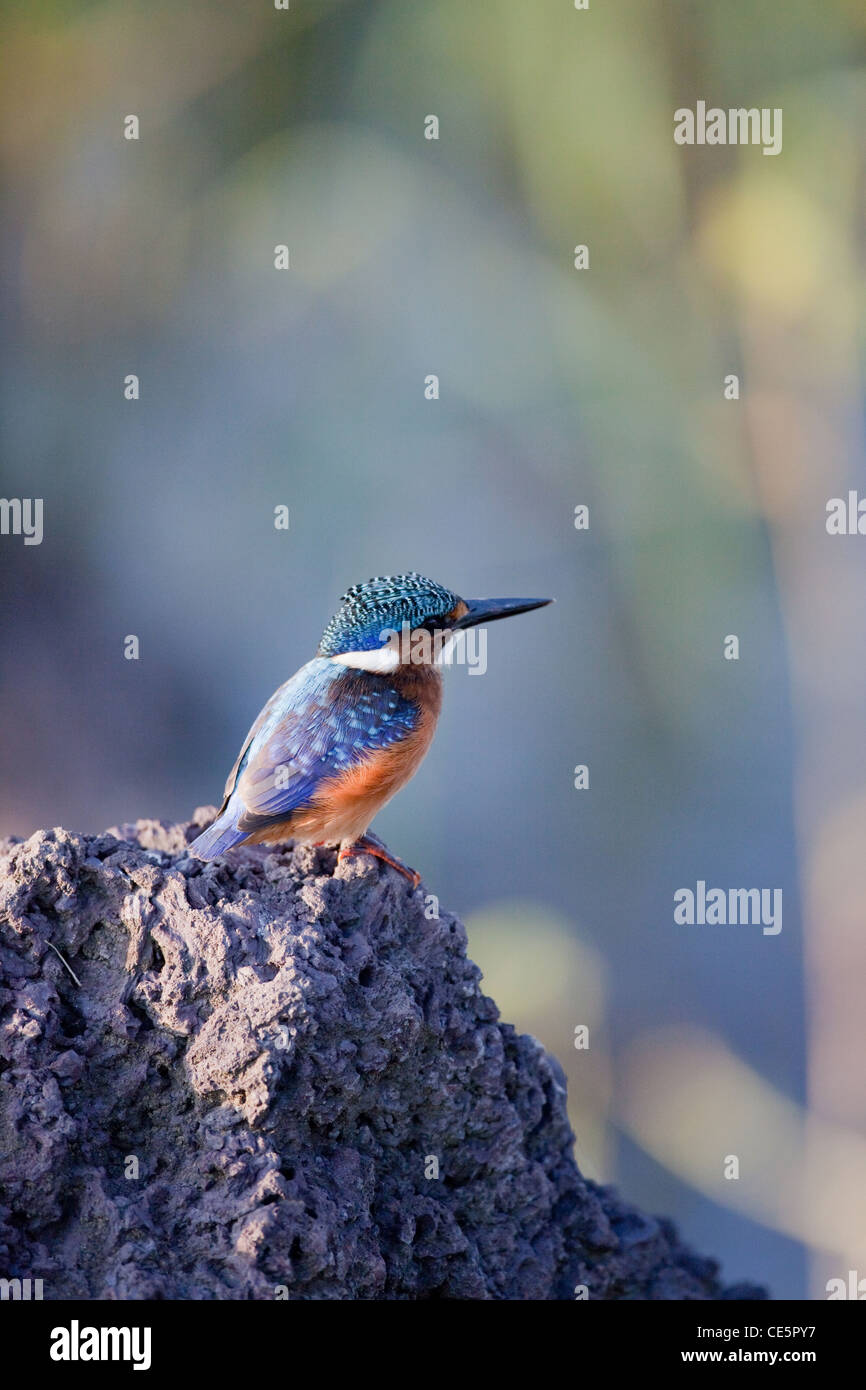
x,y
232,1080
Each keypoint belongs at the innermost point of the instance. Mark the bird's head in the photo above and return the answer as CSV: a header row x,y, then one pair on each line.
x,y
399,619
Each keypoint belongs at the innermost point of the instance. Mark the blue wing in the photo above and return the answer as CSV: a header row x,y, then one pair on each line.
x,y
320,722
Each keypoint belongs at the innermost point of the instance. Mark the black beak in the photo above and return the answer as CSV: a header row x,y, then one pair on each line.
x,y
488,610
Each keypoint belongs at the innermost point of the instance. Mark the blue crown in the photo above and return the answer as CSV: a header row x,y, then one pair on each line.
x,y
388,601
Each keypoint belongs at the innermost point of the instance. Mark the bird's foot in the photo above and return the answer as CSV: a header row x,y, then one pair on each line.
x,y
369,844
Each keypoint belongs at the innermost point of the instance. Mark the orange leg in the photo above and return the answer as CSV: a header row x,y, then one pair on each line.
x,y
368,844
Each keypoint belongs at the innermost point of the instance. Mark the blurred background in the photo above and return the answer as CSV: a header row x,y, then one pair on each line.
x,y
558,388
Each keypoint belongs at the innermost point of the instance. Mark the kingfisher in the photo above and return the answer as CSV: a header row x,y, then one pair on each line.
x,y
342,736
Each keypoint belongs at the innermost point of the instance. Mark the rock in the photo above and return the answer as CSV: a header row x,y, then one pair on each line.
x,y
270,1076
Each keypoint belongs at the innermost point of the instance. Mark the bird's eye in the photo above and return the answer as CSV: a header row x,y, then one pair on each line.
x,y
434,624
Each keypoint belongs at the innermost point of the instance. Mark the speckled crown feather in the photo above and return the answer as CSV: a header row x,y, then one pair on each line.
x,y
387,601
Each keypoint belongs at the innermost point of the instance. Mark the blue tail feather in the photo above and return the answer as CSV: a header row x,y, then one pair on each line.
x,y
216,840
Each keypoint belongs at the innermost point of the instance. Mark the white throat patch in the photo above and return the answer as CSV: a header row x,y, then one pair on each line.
x,y
379,662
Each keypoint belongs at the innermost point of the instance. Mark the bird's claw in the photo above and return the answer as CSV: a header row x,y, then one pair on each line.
x,y
368,844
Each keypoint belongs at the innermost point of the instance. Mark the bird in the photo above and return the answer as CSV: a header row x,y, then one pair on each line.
x,y
351,727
